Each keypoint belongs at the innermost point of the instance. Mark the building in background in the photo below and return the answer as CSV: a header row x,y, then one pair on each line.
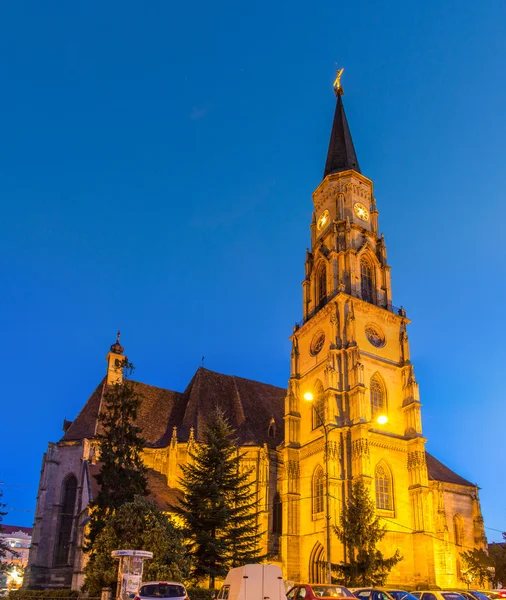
x,y
350,355
19,539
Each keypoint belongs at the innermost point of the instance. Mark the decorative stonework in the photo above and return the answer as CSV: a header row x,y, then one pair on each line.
x,y
317,343
375,336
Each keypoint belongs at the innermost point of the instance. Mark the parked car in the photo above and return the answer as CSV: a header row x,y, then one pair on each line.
x,y
371,594
438,595
474,595
491,594
313,591
501,592
162,590
253,582
400,595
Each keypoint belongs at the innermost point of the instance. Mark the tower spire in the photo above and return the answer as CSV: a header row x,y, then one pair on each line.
x,y
341,155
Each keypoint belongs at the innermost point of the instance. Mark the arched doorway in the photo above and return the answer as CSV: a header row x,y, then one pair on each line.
x,y
317,564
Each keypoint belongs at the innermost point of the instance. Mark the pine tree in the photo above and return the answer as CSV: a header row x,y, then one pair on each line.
x,y
122,474
219,508
360,531
140,525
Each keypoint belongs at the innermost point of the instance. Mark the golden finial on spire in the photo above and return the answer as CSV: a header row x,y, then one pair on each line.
x,y
338,90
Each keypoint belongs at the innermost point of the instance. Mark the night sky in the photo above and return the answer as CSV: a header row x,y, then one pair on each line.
x,y
157,161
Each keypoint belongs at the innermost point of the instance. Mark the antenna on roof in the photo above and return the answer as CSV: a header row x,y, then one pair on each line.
x,y
203,361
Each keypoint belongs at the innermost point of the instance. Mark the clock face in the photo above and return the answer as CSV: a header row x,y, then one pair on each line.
x,y
323,220
361,211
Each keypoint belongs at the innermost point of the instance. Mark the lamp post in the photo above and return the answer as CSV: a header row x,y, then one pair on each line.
x,y
381,419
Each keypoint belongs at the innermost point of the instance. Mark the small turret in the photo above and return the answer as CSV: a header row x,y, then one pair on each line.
x,y
115,358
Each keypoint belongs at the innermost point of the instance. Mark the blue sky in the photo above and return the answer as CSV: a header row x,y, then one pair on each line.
x,y
156,168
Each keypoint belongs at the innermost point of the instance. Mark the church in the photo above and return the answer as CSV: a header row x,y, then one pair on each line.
x,y
351,410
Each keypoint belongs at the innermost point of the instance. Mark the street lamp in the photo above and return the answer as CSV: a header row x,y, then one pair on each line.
x,y
382,419
308,396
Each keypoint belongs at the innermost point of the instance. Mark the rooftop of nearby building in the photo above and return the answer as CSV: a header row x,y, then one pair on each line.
x,y
12,530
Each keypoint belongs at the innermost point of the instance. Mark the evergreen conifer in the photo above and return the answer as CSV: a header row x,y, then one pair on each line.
x,y
219,507
122,474
360,531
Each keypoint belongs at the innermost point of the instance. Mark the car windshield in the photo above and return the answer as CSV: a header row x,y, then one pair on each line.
x,y
452,596
399,595
162,590
331,591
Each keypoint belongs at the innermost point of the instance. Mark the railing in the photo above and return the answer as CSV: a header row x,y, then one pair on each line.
x,y
391,308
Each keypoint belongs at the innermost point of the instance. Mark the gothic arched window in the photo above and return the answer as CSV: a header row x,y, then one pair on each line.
x,y
318,405
458,530
384,493
366,280
65,520
321,286
318,485
277,514
378,396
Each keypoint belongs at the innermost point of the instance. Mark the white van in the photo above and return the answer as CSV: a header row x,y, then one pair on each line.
x,y
253,582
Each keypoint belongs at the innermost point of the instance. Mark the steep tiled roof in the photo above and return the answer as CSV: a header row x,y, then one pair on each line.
x,y
160,492
440,472
84,425
249,406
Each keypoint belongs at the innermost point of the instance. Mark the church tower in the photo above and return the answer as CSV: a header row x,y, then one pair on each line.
x,y
352,408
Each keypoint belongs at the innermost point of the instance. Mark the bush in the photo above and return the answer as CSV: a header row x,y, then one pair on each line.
x,y
199,593
29,594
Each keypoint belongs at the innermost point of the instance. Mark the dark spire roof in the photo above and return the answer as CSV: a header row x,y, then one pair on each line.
x,y
341,155
117,348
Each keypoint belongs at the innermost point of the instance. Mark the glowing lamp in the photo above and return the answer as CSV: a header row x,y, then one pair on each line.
x,y
308,396
382,419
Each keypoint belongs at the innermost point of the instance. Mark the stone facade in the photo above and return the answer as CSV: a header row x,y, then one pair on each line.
x,y
352,410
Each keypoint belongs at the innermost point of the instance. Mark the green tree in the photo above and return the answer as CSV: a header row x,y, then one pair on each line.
x,y
360,531
122,474
476,567
142,526
219,507
497,554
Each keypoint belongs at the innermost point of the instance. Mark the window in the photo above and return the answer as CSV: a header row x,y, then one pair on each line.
x,y
170,590
458,530
301,593
224,592
383,481
318,405
321,286
291,593
65,521
377,392
277,514
318,485
366,280
272,429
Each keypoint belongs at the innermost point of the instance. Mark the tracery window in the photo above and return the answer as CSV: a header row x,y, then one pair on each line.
x,y
458,530
321,286
318,485
277,514
318,405
366,280
65,521
378,396
383,482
